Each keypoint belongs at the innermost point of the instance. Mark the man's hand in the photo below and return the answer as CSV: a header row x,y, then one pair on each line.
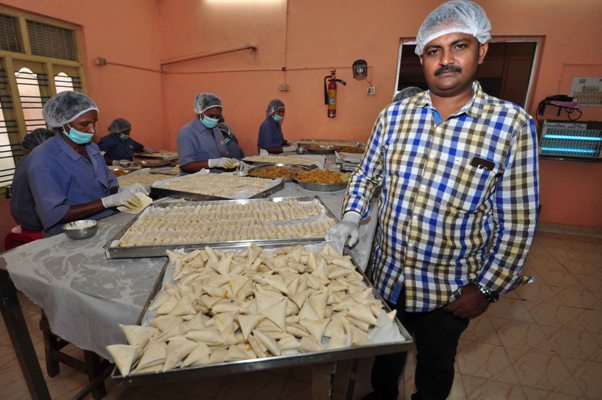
x,y
470,304
347,231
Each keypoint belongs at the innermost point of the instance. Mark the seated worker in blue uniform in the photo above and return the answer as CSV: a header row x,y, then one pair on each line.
x,y
270,137
118,144
22,205
201,144
68,176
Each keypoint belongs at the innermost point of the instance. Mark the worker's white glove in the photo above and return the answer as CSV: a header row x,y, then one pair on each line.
x,y
243,166
348,228
126,199
133,188
292,147
264,152
223,162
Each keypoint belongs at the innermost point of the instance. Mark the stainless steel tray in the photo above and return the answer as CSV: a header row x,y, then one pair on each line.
x,y
160,192
112,251
286,361
321,187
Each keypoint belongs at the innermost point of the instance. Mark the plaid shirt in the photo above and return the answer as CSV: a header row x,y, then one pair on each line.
x,y
458,202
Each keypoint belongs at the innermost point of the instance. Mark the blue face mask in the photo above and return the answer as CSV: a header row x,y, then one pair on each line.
x,y
124,136
277,117
209,122
77,136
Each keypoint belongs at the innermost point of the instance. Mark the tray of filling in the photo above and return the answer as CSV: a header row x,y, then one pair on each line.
x,y
221,223
277,171
215,312
322,180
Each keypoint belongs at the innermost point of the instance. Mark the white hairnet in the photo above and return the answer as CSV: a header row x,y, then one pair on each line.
x,y
274,105
120,125
406,92
205,101
457,16
65,107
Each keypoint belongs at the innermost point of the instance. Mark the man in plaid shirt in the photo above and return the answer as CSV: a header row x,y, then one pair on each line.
x,y
458,175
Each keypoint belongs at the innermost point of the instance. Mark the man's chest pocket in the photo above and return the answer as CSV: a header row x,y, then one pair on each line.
x,y
467,183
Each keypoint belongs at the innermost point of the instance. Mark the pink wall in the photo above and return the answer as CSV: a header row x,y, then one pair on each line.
x,y
309,38
123,32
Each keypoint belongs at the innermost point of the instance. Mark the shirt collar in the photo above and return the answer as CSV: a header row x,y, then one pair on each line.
x,y
68,150
472,108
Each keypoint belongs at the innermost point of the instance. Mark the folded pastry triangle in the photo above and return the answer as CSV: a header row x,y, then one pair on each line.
x,y
124,356
210,337
362,313
318,303
267,342
309,344
276,313
165,322
177,350
248,323
237,282
198,356
316,328
154,353
137,335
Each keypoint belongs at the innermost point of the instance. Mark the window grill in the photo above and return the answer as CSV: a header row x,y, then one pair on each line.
x,y
52,41
571,140
10,36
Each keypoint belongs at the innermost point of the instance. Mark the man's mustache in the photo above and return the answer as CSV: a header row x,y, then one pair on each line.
x,y
448,68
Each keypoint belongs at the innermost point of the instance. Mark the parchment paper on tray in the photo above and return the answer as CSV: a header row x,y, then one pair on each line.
x,y
225,185
252,308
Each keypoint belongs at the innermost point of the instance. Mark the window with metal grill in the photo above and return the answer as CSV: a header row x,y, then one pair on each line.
x,y
10,38
51,41
37,60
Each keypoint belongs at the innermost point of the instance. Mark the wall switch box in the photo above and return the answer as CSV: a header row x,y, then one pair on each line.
x,y
283,87
371,91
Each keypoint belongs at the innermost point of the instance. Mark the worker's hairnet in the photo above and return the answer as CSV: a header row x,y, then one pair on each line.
x,y
274,105
120,125
205,101
406,92
36,137
458,16
65,107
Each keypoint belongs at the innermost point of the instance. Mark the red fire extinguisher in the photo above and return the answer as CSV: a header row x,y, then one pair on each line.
x,y
330,92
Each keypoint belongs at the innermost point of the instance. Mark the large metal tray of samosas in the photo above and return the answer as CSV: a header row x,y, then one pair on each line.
x,y
398,340
119,246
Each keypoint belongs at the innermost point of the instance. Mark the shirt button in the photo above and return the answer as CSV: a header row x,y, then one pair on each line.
x,y
415,217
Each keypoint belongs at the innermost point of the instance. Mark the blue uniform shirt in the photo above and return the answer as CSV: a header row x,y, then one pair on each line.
x,y
270,134
197,143
117,149
60,178
22,205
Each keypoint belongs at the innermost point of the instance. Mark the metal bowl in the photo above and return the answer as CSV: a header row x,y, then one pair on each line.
x,y
81,229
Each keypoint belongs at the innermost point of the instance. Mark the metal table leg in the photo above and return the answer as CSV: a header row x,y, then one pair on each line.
x,y
19,336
